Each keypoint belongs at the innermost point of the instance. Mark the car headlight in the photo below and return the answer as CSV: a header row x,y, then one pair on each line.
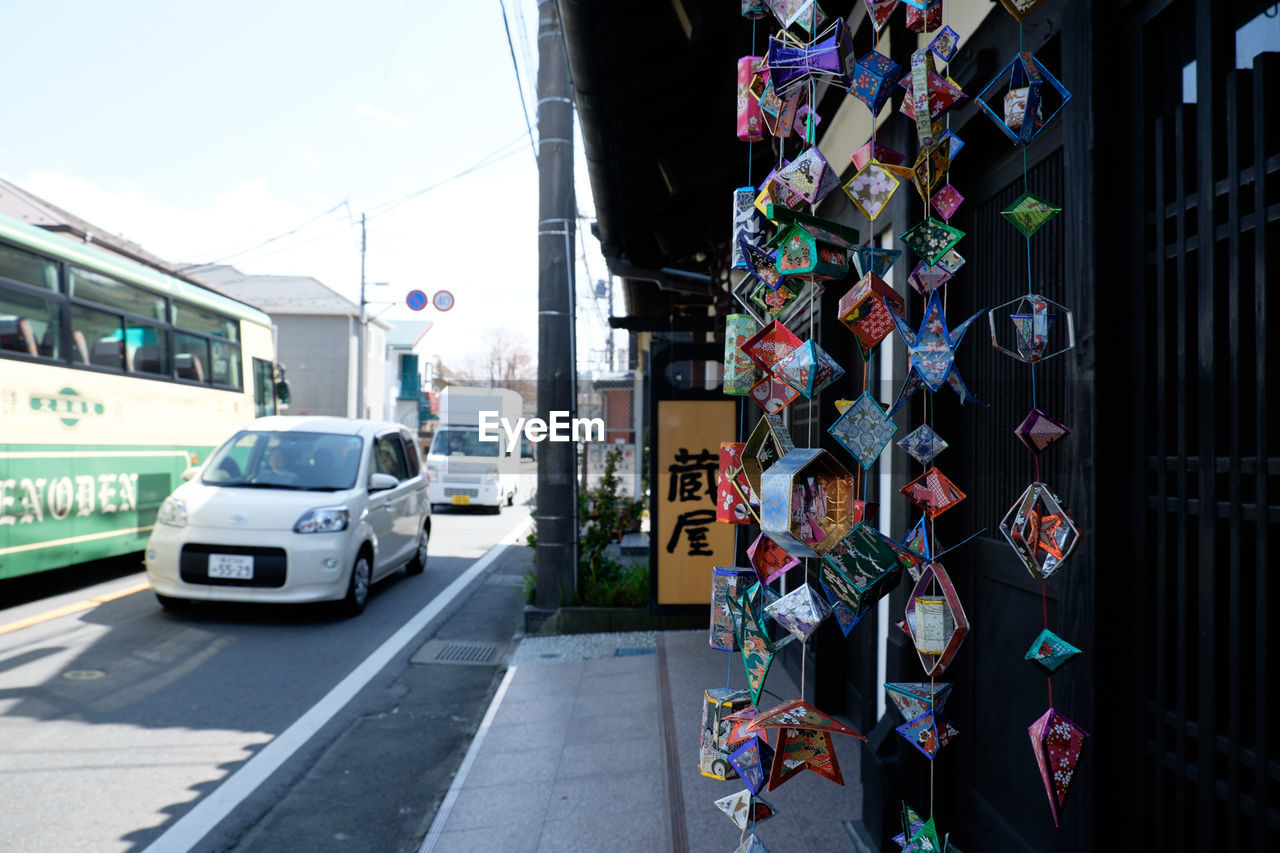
x,y
433,472
173,512
491,476
325,519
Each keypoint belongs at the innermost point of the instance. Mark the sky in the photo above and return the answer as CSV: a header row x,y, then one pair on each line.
x,y
203,131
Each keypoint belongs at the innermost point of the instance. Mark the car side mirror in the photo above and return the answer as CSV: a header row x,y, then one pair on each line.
x,y
190,474
379,482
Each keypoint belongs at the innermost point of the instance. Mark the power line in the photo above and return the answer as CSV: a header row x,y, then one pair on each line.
x,y
519,85
280,236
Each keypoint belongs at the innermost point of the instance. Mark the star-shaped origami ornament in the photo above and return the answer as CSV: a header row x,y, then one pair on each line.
x,y
932,352
797,713
804,749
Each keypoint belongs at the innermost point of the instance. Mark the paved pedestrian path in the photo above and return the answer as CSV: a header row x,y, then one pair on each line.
x,y
591,744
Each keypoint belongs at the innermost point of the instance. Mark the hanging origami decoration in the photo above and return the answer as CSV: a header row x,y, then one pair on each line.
x,y
923,17
770,345
778,112
748,224
868,309
718,702
935,619
727,584
1040,531
772,394
945,44
829,242
744,809
929,96
879,11
740,372
931,352
931,239
882,154
1037,431
919,697
753,9
929,733
871,189
757,648
946,201
1029,213
761,266
804,740
1026,82
860,569
800,611
809,176
751,844
733,492
738,722
768,443
933,492
1033,317
923,444
1050,651
827,58
868,259
750,121
1021,9
768,560
766,304
752,761
808,369
790,12
806,502
1057,743
844,615
873,77
864,430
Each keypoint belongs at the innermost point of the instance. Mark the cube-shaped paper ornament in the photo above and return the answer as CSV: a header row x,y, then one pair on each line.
x,y
750,122
861,568
869,259
1057,743
923,444
864,312
1032,318
935,619
768,442
769,560
871,189
800,611
806,502
1050,651
1040,531
879,12
924,20
929,733
803,175
744,809
1029,213
1028,97
748,224
931,239
802,253
809,369
877,151
873,77
946,201
913,698
863,429
945,44
925,279
740,372
772,395
713,751
733,492
751,761
770,345
727,583
933,492
1037,431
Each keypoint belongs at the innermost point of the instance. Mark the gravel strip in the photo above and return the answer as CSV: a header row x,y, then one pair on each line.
x,y
563,648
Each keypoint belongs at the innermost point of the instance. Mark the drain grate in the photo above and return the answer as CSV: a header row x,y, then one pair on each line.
x,y
457,652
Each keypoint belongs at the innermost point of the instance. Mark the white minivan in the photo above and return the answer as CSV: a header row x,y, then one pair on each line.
x,y
294,509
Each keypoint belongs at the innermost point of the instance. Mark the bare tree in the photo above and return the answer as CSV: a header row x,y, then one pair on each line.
x,y
503,361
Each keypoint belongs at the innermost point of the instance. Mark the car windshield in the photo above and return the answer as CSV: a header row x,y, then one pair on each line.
x,y
463,442
286,460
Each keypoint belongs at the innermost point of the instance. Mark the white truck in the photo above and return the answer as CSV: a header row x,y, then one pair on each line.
x,y
464,470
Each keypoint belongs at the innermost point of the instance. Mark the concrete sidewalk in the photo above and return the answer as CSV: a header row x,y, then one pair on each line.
x,y
591,744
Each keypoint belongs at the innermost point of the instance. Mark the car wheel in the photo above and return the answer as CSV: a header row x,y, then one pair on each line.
x,y
495,509
720,768
172,604
419,560
358,588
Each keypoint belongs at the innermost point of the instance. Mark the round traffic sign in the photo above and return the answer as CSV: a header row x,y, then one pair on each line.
x,y
417,300
443,300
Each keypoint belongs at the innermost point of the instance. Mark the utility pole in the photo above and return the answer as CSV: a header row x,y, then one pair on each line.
x,y
557,557
360,356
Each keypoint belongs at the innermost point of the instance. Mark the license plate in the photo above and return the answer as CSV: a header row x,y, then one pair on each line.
x,y
462,500
231,567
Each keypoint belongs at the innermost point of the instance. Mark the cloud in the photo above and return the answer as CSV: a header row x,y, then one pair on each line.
x,y
377,114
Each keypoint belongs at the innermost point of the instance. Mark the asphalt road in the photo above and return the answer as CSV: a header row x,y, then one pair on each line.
x,y
120,724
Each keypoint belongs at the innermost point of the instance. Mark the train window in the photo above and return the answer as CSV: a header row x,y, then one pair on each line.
x,y
20,265
199,319
107,291
29,324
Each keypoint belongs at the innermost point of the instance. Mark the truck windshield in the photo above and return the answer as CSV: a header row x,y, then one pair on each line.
x,y
463,442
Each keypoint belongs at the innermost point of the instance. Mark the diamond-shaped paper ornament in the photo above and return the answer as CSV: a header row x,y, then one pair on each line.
x,y
800,611
1050,651
772,394
922,540
1032,320
790,12
769,560
871,189
873,77
745,809
773,191
1026,83
806,502
1057,743
930,170
752,760
770,345
869,259
1037,431
931,239
767,305
803,175
923,444
1029,213
929,733
1021,9
809,369
913,698
877,151
924,20
861,568
933,493
843,613
863,430
751,844
946,201
727,584
761,266
951,262
1040,531
864,312
945,44
879,12
935,619
925,279
768,442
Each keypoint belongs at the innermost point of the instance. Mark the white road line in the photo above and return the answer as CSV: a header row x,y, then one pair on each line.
x,y
460,779
209,812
